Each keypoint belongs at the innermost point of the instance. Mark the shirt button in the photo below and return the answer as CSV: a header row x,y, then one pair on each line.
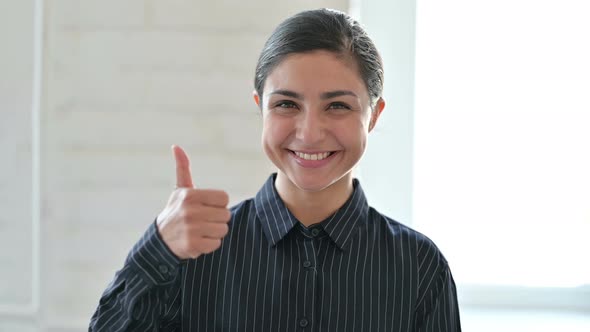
x,y
315,232
306,264
303,322
163,269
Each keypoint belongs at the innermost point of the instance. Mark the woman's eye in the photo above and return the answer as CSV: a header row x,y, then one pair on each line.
x,y
339,106
286,104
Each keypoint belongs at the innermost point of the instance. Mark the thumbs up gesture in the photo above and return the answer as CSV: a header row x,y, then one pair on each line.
x,y
194,220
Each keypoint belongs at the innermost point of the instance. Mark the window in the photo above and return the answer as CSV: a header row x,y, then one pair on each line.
x,y
502,139
485,148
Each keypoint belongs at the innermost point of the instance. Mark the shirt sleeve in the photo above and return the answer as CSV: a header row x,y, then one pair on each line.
x,y
440,312
437,309
145,293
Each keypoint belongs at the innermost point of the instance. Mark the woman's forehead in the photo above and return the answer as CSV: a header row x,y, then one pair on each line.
x,y
315,72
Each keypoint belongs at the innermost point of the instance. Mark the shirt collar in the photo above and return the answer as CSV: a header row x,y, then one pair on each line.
x,y
277,220
348,218
274,216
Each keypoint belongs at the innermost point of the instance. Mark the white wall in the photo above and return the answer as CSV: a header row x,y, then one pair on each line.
x,y
121,82
16,95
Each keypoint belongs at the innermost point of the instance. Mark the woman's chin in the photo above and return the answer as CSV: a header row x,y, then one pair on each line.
x,y
311,187
311,182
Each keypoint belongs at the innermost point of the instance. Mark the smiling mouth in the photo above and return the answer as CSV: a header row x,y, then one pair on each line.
x,y
312,156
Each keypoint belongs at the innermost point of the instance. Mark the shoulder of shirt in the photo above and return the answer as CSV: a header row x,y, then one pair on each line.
x,y
241,205
422,245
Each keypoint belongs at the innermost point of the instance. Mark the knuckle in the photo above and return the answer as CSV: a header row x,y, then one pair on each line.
x,y
207,250
224,229
216,244
210,246
225,197
227,215
192,253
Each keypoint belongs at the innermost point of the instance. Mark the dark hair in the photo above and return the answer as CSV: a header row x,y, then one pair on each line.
x,y
322,29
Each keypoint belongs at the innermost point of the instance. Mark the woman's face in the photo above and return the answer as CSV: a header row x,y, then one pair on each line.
x,y
316,118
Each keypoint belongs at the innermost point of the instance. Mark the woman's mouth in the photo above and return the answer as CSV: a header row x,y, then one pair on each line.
x,y
312,156
313,160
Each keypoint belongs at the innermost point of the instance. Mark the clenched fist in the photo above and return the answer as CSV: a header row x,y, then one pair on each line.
x,y
195,220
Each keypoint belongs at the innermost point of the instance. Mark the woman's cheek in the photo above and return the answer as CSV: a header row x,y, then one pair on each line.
x,y
277,127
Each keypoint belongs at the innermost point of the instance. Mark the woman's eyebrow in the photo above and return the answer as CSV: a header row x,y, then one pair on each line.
x,y
325,95
337,93
287,93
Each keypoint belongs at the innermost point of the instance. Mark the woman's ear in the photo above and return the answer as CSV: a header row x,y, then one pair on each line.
x,y
256,98
379,106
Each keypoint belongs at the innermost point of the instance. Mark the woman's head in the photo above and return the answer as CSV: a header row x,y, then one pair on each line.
x,y
328,30
318,84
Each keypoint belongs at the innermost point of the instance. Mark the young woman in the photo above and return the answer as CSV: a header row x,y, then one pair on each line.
x,y
307,253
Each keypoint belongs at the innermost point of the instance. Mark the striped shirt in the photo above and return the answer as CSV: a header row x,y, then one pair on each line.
x,y
355,271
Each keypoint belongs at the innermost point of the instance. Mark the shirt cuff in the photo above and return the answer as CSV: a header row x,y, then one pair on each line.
x,y
152,257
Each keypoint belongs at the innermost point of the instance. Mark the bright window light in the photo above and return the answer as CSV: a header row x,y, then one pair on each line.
x,y
502,139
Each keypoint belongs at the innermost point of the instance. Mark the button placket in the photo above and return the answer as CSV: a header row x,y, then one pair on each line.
x,y
303,322
315,232
309,264
163,269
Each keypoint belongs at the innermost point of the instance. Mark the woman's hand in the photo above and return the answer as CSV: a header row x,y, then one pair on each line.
x,y
195,220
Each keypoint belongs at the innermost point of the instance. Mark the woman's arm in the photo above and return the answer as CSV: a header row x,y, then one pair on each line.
x,y
437,309
145,293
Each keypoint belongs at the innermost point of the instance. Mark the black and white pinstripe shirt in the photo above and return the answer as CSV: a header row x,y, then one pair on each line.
x,y
356,271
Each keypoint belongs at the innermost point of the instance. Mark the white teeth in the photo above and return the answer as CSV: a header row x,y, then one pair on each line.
x,y
316,156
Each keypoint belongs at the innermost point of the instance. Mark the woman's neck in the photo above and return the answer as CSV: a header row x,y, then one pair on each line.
x,y
313,207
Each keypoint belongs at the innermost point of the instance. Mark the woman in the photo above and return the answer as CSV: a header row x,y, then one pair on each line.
x,y
307,253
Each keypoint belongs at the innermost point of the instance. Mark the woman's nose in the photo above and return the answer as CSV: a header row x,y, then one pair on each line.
x,y
310,127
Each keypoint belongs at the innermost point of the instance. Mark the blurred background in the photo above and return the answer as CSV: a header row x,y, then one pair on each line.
x,y
484,144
